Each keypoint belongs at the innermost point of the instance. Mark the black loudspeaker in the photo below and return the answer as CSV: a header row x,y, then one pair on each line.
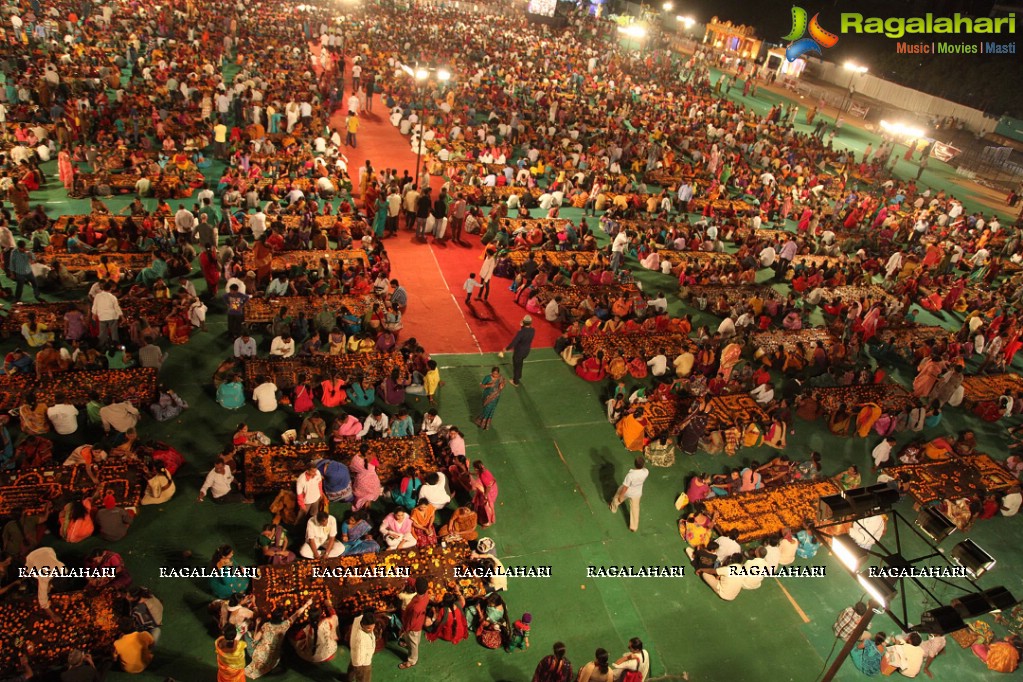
x,y
940,621
833,507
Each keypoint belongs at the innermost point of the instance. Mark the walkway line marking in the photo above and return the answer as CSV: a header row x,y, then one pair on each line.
x,y
455,301
577,486
565,426
802,614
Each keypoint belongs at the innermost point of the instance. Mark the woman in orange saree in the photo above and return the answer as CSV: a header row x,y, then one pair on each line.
x,y
230,656
865,420
632,430
262,260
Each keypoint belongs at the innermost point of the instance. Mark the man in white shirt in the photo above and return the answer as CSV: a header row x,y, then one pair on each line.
x,y
727,328
321,538
906,655
631,491
362,644
658,364
721,580
882,453
754,570
767,256
244,347
552,311
431,423
309,491
219,484
63,416
763,394
282,346
257,223
36,561
660,304
435,491
184,221
1011,501
867,532
265,395
727,547
618,247
375,426
107,310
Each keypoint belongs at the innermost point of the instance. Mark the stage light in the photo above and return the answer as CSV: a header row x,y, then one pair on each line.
x,y
422,74
686,22
667,7
970,556
935,524
443,74
976,604
848,552
854,67
971,605
831,507
873,499
940,621
880,591
1000,599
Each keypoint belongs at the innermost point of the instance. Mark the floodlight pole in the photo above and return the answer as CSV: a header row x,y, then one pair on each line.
x,y
851,642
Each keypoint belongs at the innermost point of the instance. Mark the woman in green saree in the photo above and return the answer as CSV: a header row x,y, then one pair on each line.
x,y
867,655
492,385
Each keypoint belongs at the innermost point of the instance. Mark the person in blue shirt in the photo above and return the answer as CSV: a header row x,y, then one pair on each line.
x,y
231,393
20,264
402,426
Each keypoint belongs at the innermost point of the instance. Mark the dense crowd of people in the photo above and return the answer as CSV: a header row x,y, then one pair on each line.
x,y
676,181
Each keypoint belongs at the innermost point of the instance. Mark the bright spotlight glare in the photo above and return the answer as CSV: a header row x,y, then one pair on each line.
x,y
634,31
421,74
902,130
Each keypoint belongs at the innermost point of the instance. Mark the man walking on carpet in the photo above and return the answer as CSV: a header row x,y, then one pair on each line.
x,y
520,346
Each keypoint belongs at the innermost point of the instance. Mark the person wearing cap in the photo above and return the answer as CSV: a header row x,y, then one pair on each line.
x,y
520,346
113,522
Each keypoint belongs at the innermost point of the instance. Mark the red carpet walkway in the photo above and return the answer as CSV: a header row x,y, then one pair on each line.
x,y
434,274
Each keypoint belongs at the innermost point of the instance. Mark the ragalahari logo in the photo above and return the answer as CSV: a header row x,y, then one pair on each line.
x,y
818,38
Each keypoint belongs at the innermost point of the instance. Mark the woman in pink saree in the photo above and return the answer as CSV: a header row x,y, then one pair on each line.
x,y
484,498
365,482
65,169
928,372
870,323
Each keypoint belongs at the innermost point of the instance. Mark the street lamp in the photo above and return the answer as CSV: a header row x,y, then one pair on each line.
x,y
421,74
687,22
854,70
667,7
